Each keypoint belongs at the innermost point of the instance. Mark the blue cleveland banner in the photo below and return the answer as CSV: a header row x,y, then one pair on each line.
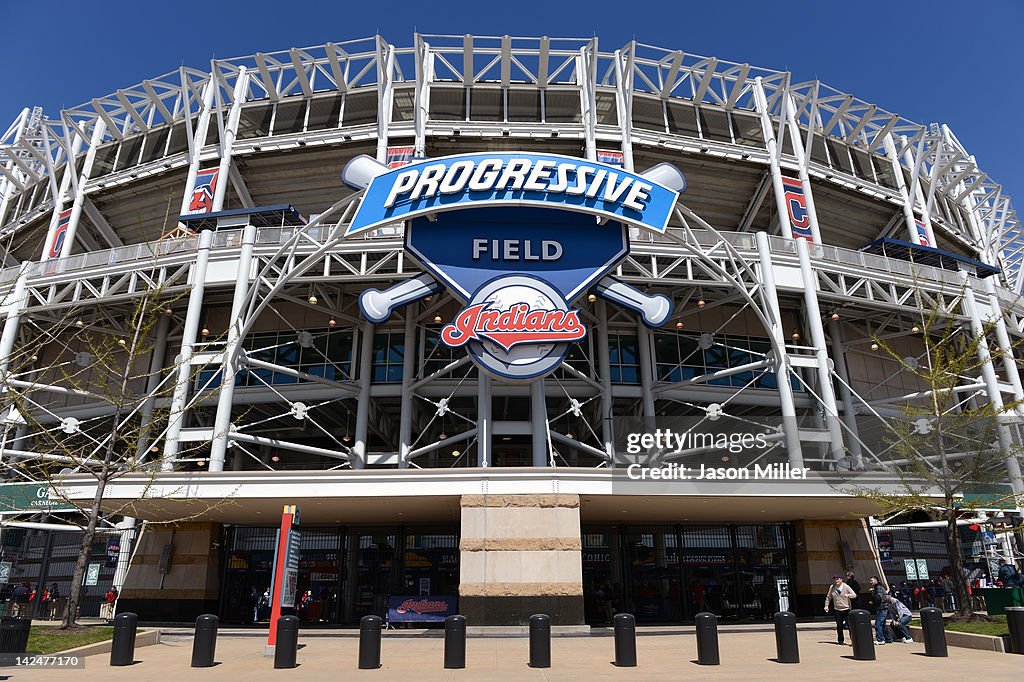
x,y
796,204
430,609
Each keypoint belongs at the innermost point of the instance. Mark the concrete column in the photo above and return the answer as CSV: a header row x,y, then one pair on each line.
x,y
520,555
193,316
228,368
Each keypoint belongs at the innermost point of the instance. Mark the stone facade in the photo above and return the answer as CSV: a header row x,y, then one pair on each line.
x,y
520,555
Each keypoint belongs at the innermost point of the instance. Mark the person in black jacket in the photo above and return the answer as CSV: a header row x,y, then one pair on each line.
x,y
878,597
851,580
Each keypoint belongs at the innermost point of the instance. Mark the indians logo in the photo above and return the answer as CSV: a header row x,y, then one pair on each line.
x,y
516,326
202,195
422,606
519,324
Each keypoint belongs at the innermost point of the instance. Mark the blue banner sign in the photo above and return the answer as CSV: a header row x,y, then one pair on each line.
x,y
520,179
409,609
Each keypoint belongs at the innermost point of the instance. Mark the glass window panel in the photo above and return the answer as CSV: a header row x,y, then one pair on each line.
x,y
255,120
360,108
324,112
524,105
607,114
648,113
447,104
715,124
485,104
290,116
682,119
561,106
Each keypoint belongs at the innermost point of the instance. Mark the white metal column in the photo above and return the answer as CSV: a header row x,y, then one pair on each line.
x,y
156,366
228,369
227,139
644,356
786,403
789,111
193,316
195,145
484,431
539,425
604,369
624,103
366,333
774,155
988,375
835,332
408,369
901,185
98,131
62,193
1006,345
817,329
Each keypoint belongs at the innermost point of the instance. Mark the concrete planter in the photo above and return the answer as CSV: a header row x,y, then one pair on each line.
x,y
967,640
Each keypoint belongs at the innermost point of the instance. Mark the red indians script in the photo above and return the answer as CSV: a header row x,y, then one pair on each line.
x,y
518,324
422,606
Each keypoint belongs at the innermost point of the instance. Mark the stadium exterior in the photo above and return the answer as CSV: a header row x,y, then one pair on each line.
x,y
811,225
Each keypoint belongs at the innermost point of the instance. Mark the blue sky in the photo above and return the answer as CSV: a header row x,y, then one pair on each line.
x,y
958,63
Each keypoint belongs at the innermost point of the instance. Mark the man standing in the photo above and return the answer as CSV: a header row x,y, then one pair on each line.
x,y
839,597
878,598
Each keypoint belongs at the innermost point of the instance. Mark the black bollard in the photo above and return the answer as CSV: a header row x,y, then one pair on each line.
x,y
787,649
540,641
369,642
934,632
1015,621
122,648
204,643
860,633
455,642
625,640
707,639
287,647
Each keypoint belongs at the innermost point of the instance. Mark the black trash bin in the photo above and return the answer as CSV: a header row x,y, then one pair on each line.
x,y
14,634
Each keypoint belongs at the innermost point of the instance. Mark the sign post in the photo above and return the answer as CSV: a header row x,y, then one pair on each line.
x,y
286,572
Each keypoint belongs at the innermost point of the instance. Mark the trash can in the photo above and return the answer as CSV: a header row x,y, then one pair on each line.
x,y
996,600
14,634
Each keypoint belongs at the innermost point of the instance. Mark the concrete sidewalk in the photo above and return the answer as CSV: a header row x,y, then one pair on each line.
x,y
745,654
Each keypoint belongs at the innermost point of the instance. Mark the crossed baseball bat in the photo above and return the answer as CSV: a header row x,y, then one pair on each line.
x,y
377,305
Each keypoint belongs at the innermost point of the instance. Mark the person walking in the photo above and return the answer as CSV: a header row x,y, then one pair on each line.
x,y
840,598
878,600
108,604
900,615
